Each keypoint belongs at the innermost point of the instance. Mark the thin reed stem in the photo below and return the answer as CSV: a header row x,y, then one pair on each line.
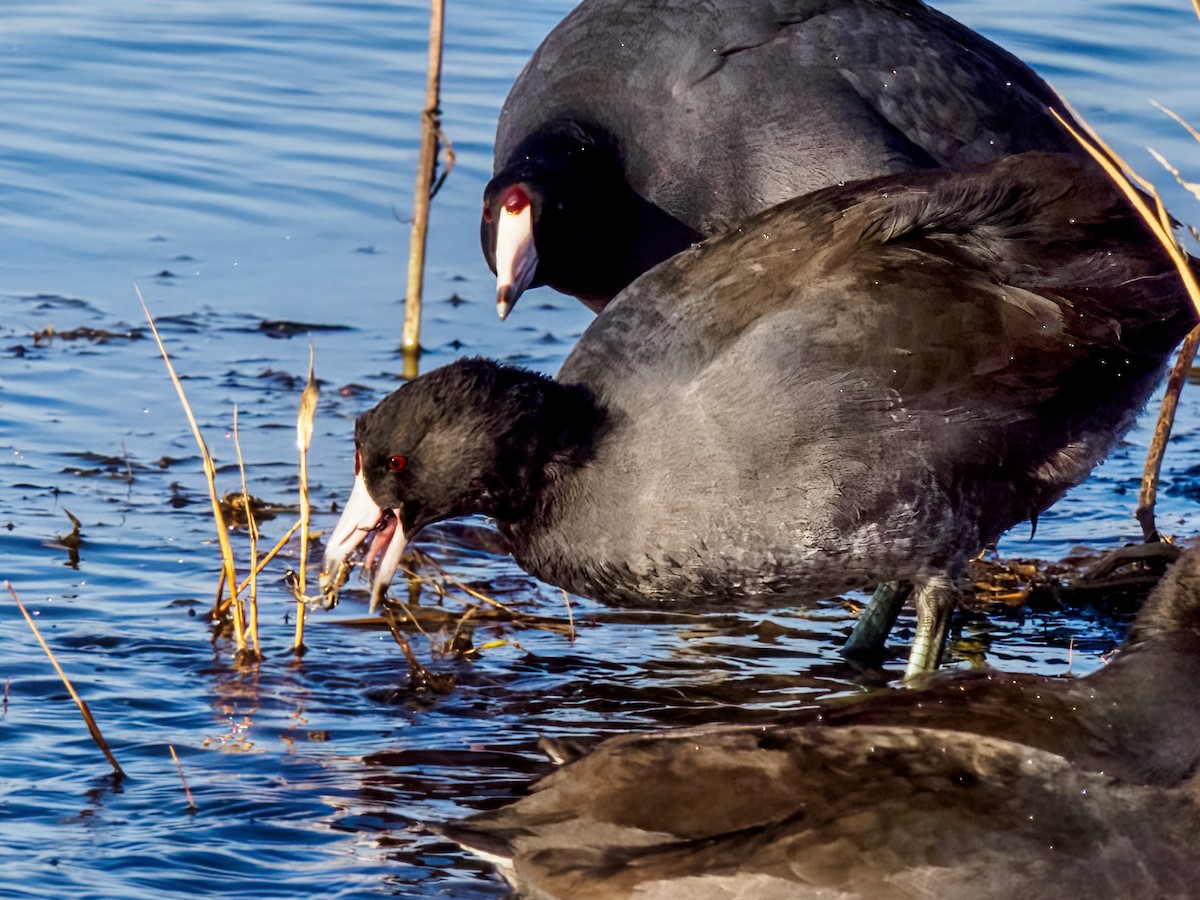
x,y
252,528
186,790
410,342
304,433
210,473
93,728
262,563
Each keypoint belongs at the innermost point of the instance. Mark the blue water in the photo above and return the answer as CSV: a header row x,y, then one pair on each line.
x,y
250,163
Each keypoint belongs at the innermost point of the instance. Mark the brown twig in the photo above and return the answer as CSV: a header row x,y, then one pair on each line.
x,y
1148,494
446,576
448,166
186,790
410,342
421,676
93,728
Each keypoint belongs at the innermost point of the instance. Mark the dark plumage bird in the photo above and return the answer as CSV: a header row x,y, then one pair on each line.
x,y
641,126
981,786
865,384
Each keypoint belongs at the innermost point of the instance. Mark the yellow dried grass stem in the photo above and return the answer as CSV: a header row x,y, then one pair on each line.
x,y
1158,220
304,434
447,577
262,563
252,529
92,727
210,473
1178,118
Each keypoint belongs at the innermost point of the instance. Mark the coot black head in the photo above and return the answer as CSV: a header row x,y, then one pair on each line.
x,y
561,213
984,786
639,126
471,437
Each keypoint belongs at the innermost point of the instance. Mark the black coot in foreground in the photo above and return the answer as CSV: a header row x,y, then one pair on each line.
x,y
640,126
981,786
869,383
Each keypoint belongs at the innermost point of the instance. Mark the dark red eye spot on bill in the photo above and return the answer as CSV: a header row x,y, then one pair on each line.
x,y
515,200
396,463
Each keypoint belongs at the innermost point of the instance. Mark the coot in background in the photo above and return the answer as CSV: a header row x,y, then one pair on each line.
x,y
983,786
639,127
864,384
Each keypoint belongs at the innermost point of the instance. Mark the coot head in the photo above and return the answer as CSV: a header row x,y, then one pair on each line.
x,y
466,438
562,214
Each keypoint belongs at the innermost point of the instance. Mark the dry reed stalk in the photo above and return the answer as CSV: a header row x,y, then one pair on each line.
x,y
262,563
1158,220
186,790
421,676
304,434
446,576
1160,224
1189,186
93,728
410,342
252,528
570,616
466,617
408,613
514,616
210,473
1148,493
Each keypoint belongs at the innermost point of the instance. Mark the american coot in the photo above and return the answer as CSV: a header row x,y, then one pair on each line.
x,y
980,786
865,384
640,126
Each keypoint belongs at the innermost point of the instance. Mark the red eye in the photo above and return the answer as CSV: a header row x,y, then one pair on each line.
x,y
396,463
357,463
515,200
487,213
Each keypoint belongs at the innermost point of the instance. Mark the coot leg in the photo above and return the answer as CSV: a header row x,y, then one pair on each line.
x,y
867,638
935,601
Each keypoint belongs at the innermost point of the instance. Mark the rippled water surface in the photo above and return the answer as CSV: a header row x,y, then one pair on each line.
x,y
246,165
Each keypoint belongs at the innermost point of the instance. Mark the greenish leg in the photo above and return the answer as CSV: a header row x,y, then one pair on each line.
x,y
875,622
935,602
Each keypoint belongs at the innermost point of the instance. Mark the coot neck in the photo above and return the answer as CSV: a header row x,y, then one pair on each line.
x,y
551,428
